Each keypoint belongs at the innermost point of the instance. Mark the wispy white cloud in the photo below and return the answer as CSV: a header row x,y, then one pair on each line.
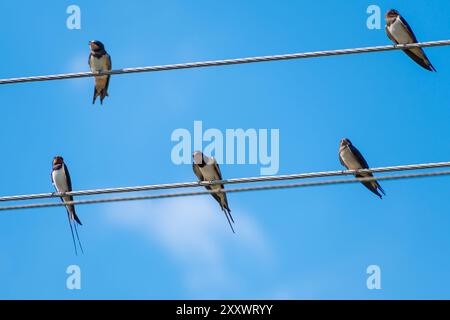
x,y
79,62
195,234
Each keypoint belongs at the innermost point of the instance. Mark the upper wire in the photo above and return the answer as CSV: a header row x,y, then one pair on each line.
x,y
234,190
215,63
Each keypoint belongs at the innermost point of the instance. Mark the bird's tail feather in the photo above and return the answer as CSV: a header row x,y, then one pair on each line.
x,y
95,95
72,216
420,58
227,210
75,217
380,188
229,218
102,95
73,237
78,237
372,188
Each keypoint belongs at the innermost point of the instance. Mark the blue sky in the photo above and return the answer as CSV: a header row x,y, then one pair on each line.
x,y
294,244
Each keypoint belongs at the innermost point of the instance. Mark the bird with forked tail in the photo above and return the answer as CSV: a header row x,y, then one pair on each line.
x,y
100,61
352,159
62,183
207,169
399,31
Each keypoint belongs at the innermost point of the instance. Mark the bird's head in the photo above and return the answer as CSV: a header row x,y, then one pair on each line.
x,y
96,46
392,15
345,142
58,161
197,156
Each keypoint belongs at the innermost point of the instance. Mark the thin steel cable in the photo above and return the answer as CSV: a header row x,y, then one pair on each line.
x,y
234,190
215,63
179,185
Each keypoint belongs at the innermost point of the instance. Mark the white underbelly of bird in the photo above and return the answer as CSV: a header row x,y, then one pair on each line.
x,y
99,64
399,32
350,160
209,174
60,180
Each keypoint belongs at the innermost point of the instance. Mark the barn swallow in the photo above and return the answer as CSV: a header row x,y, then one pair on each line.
x,y
207,169
352,159
399,31
62,183
99,61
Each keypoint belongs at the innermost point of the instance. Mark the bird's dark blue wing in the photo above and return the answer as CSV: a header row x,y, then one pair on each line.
x,y
108,67
69,181
359,156
408,28
197,172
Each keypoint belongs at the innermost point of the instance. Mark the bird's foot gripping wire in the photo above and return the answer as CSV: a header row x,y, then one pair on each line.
x,y
57,194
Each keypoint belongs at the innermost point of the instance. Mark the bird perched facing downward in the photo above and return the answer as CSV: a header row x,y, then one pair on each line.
x,y
62,183
207,169
99,61
399,31
352,159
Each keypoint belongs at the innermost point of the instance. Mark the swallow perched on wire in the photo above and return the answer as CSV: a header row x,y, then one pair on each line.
x,y
207,169
399,31
62,183
99,61
352,159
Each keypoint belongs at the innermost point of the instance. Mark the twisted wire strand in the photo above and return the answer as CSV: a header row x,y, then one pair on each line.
x,y
224,62
234,190
179,185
